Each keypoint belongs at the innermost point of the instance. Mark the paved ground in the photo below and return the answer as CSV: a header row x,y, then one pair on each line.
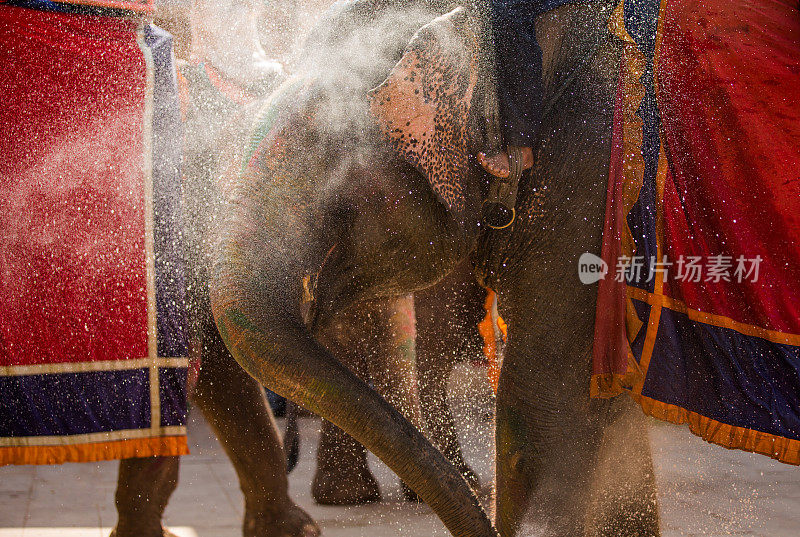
x,y
704,490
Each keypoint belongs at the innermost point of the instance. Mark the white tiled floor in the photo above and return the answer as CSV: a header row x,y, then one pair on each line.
x,y
703,490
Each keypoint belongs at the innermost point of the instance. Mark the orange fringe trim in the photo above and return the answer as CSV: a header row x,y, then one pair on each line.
x,y
783,449
96,451
607,385
786,450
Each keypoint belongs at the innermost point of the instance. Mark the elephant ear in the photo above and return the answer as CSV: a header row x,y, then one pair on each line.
x,y
424,105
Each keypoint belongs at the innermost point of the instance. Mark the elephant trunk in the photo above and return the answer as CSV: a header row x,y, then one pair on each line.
x,y
257,322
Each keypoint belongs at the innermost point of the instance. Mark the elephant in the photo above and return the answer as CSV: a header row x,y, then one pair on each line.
x,y
343,476
359,176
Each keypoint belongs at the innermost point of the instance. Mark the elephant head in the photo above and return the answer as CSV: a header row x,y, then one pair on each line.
x,y
335,194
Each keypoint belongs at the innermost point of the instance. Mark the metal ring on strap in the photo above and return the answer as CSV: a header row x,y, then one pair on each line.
x,y
502,196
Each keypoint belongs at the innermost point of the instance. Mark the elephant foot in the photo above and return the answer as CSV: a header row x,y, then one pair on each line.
x,y
334,488
291,522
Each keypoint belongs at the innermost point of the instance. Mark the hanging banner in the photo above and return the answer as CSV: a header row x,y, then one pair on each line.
x,y
699,315
92,312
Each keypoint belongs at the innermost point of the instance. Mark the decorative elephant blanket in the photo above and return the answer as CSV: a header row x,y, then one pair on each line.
x,y
699,314
92,313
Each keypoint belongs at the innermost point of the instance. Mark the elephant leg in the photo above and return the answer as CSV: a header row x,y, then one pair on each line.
x,y
391,355
375,340
549,431
553,441
624,490
447,317
144,486
439,422
235,406
343,476
391,358
575,471
547,447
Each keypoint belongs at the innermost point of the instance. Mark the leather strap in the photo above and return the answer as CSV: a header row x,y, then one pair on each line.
x,y
498,208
